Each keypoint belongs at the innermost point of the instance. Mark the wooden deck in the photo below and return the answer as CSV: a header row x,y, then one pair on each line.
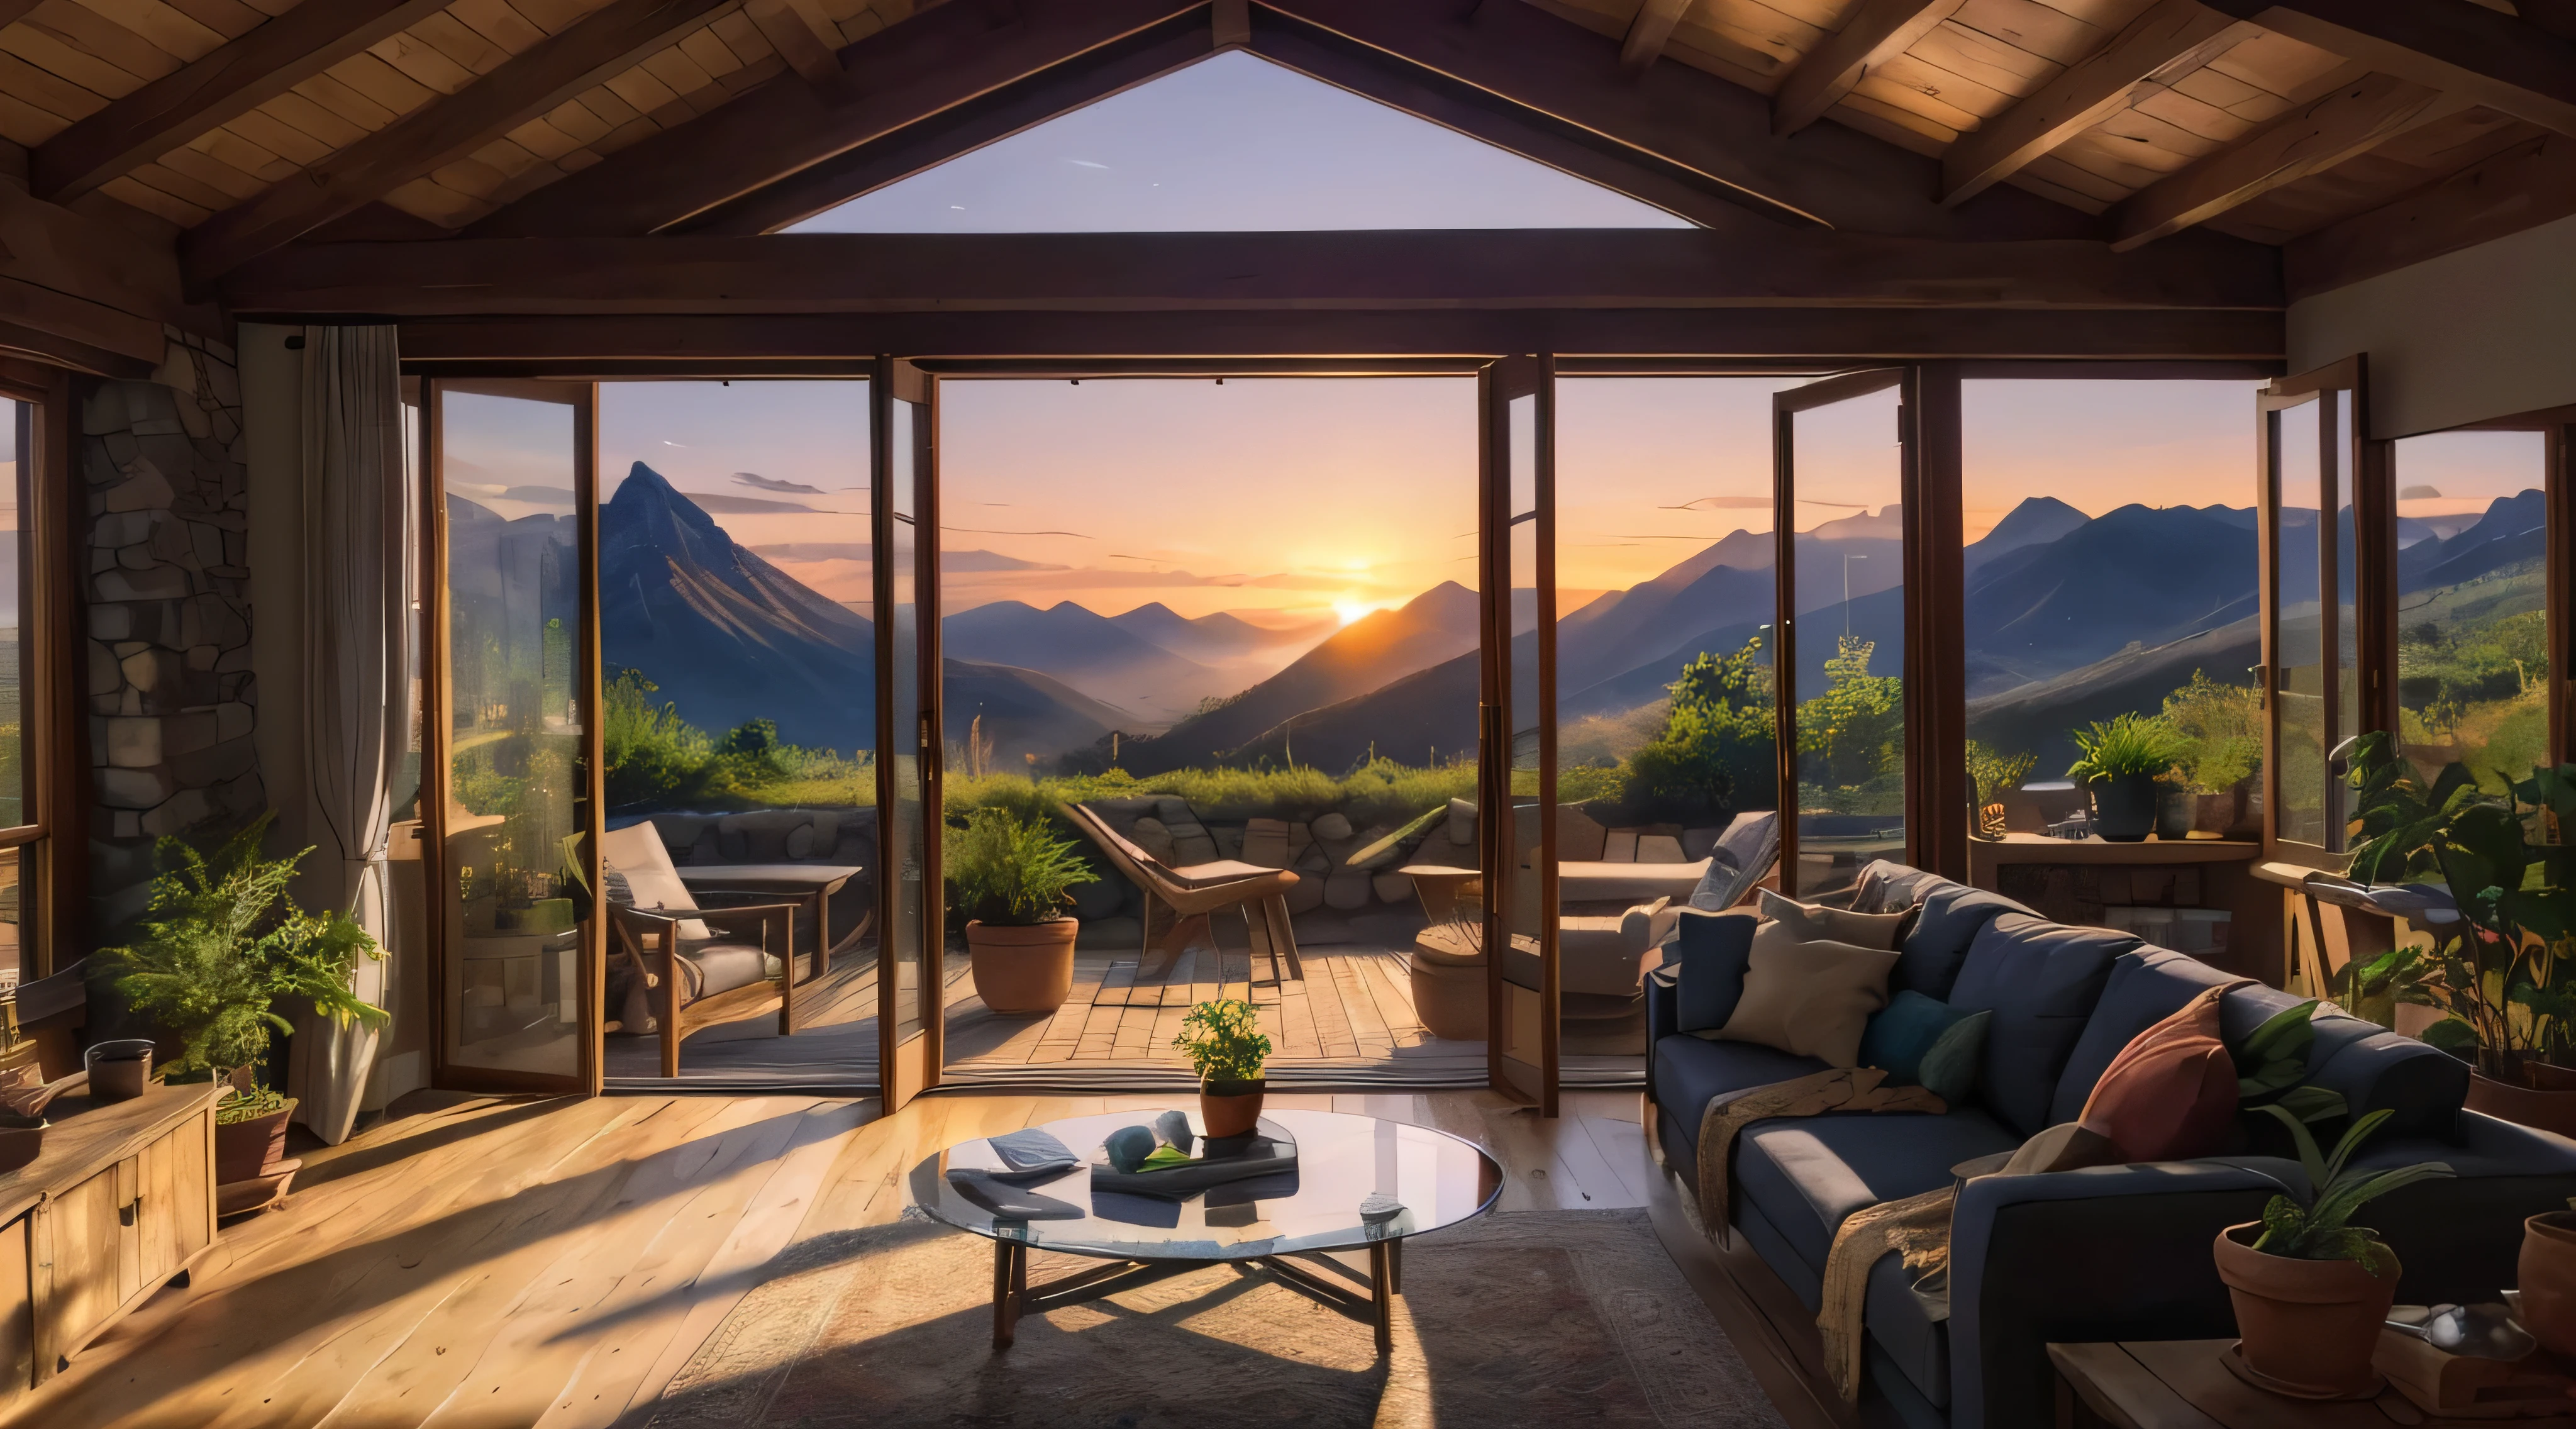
x,y
488,1261
1348,1022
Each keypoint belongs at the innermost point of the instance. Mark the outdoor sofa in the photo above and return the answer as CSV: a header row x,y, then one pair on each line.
x,y
2115,1252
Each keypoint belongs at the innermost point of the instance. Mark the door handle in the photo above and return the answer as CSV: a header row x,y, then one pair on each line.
x,y
130,1212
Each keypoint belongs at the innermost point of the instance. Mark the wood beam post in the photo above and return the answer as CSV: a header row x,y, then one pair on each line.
x,y
2527,185
2501,61
2312,138
598,47
1230,24
235,78
802,34
1940,800
2173,37
1876,32
1649,31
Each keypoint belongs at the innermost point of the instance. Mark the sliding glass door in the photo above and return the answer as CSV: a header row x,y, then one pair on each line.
x,y
1518,773
910,738
510,808
1839,560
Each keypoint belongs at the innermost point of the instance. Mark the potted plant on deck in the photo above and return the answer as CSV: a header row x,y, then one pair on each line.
x,y
1012,880
2310,1288
1225,1046
2122,760
220,945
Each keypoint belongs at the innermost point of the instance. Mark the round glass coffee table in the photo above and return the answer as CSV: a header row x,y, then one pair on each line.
x,y
1361,1186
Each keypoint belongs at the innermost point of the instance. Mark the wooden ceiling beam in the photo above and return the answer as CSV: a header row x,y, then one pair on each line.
x,y
2527,185
1761,265
1877,31
230,81
802,34
2356,118
1648,32
599,46
936,60
1675,114
89,282
12,11
2172,38
2501,61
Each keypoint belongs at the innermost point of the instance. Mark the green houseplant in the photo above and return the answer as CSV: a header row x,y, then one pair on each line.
x,y
1225,1046
2123,757
220,944
2310,1288
1011,878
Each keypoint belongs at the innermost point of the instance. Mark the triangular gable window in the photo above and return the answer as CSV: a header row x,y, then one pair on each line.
x,y
1231,144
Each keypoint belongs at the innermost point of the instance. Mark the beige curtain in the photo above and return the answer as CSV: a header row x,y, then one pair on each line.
x,y
358,577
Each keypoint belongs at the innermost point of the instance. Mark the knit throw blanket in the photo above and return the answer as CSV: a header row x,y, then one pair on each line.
x,y
1918,1227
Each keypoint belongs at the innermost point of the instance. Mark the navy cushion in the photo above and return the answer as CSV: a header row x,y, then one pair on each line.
x,y
1952,917
1687,1071
1712,950
1900,1033
1917,1344
2422,1084
2041,980
1807,1173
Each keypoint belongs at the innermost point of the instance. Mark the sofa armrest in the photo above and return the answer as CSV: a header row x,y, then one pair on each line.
x,y
1663,1004
2113,1252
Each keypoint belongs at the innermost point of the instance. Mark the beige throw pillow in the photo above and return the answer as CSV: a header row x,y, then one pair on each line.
x,y
1812,998
1809,923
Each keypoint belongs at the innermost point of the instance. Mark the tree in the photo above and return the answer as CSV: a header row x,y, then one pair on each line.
x,y
1855,731
1718,737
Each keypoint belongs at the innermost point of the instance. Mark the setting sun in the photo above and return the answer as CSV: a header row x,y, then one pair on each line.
x,y
1347,611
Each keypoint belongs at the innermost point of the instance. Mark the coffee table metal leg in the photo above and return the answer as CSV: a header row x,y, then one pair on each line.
x,y
1382,1290
1010,1283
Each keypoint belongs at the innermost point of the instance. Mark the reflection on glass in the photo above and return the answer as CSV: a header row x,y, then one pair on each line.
x,y
1529,813
514,912
1849,682
17,431
905,850
2473,658
15,914
2297,533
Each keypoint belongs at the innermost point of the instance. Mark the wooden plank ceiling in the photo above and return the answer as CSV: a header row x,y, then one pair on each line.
x,y
251,124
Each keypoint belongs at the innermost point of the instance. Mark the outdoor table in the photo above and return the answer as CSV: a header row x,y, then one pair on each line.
x,y
813,881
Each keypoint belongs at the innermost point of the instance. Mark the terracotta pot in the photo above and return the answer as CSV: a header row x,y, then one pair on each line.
x,y
1022,971
2523,1106
2124,809
2308,1326
245,1150
2547,1272
1230,1108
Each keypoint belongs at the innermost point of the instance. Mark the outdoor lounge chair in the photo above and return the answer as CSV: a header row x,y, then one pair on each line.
x,y
1197,891
1744,856
664,931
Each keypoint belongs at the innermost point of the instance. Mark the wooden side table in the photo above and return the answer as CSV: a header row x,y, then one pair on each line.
x,y
2180,1384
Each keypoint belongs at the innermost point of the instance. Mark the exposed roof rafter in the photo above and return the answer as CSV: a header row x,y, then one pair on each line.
x,y
2501,61
802,34
1649,31
1875,32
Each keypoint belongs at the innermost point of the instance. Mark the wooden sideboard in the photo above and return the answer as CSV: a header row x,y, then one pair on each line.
x,y
117,1206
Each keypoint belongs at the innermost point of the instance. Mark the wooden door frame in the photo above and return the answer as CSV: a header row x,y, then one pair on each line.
x,y
1786,404
900,1077
1498,385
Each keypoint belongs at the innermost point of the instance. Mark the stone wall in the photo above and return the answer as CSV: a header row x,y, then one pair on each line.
x,y
170,690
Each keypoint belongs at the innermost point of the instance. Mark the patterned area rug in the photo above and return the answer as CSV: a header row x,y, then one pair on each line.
x,y
1540,1317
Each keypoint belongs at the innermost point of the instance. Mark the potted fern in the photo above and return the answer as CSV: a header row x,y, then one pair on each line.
x,y
1225,1046
2122,760
2310,1288
1012,880
221,943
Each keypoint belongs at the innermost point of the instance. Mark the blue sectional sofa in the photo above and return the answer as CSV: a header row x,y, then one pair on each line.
x,y
2118,1252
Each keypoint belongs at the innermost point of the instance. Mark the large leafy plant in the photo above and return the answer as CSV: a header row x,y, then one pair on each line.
x,y
2319,1225
222,942
2272,1067
1223,1041
1011,873
2123,746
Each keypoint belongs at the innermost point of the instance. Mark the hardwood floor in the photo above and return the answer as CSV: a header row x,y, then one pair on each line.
x,y
1350,1020
485,1261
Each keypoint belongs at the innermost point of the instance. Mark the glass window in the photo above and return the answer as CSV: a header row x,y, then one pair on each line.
x,y
17,430
2473,664
1849,534
2302,653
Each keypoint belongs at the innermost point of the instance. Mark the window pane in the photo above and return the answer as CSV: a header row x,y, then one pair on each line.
x,y
16,913
1850,628
514,612
2302,653
16,432
2473,661
906,848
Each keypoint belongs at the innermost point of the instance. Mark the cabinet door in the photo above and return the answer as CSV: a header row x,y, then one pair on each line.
x,y
17,1315
80,1245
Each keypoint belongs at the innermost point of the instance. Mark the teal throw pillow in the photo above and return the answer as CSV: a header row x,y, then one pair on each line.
x,y
1924,1042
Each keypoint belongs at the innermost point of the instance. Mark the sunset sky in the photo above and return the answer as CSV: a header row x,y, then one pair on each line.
x,y
1306,497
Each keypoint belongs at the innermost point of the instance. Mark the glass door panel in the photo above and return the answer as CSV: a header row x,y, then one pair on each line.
x,y
518,946
909,737
1841,558
2474,665
2317,531
1525,1009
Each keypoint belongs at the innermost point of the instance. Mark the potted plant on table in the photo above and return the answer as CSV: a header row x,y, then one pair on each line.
x,y
2310,1288
220,944
2122,760
2503,971
1224,1044
1013,880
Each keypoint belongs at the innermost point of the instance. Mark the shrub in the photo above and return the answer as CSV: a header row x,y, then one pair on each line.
x,y
1223,1041
2218,731
1011,872
1717,737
